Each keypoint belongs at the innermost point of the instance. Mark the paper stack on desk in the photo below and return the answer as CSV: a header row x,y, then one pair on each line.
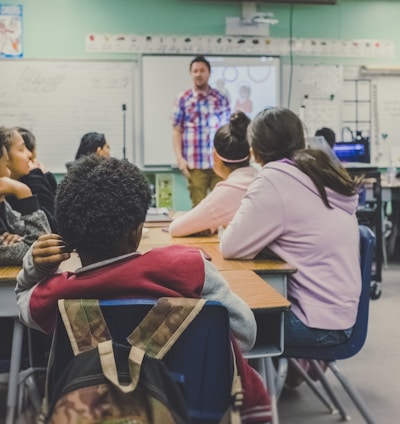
x,y
158,215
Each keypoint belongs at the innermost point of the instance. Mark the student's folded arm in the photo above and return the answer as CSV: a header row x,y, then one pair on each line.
x,y
29,226
12,255
241,317
28,220
192,222
257,223
27,279
30,274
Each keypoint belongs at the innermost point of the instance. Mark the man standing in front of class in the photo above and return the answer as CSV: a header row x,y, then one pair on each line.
x,y
197,114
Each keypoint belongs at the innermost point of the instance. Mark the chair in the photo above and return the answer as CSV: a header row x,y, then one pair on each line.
x,y
370,212
202,354
347,349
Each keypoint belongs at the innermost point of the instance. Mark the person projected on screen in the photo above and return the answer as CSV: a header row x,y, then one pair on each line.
x,y
244,103
197,114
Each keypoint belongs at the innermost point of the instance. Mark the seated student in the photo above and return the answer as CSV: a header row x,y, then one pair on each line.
x,y
328,134
231,157
92,142
31,145
303,208
42,183
101,206
19,228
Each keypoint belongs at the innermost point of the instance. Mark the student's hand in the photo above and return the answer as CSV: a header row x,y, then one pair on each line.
x,y
184,167
10,187
9,239
49,251
35,164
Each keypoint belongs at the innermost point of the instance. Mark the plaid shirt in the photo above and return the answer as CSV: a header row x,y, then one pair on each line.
x,y
199,117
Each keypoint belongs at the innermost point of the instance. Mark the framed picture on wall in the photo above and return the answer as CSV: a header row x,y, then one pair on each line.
x,y
11,30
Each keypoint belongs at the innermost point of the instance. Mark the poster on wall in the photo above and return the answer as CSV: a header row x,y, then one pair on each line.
x,y
10,30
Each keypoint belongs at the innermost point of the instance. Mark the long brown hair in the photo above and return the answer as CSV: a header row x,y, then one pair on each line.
x,y
277,133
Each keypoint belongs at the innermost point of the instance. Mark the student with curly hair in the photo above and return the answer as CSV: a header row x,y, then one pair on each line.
x,y
21,226
101,206
231,155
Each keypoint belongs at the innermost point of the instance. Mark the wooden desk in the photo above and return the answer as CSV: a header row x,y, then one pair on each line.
x,y
275,272
156,237
9,273
260,297
159,236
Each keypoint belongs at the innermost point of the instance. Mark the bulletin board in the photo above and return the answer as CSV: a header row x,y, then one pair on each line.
x,y
59,101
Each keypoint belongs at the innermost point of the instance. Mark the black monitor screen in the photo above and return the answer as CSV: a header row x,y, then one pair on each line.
x,y
351,152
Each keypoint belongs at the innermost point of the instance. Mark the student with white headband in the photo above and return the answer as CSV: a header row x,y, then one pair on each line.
x,y
232,163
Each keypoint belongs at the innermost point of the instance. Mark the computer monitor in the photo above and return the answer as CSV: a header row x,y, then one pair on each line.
x,y
352,151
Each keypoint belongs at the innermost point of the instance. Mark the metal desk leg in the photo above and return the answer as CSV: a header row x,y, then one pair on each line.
x,y
15,364
270,374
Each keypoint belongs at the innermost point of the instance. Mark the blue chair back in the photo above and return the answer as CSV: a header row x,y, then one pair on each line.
x,y
359,333
201,357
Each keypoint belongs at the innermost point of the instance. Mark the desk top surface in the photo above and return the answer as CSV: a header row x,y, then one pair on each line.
x,y
238,272
9,273
156,237
258,294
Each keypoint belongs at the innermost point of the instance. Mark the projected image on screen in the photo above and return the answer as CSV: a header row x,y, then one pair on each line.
x,y
251,84
248,88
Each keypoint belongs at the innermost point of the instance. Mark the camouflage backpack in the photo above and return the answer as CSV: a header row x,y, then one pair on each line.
x,y
137,388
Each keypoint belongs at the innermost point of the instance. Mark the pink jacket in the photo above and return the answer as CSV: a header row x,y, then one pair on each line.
x,y
283,210
218,207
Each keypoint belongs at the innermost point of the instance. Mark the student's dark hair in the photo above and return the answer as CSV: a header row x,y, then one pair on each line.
x,y
90,142
202,59
6,136
230,141
328,134
28,137
3,132
277,133
99,203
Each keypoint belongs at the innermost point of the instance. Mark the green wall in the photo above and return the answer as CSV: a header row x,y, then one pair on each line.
x,y
56,29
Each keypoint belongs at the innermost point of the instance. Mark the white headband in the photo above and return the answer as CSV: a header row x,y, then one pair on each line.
x,y
231,160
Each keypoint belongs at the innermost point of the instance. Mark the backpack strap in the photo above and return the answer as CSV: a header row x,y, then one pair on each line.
x,y
232,414
164,323
109,367
84,322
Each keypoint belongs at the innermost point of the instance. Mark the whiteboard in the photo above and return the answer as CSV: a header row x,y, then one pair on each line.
x,y
385,142
59,101
163,77
315,93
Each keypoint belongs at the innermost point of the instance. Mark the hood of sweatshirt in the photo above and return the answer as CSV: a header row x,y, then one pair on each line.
x,y
346,203
240,178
